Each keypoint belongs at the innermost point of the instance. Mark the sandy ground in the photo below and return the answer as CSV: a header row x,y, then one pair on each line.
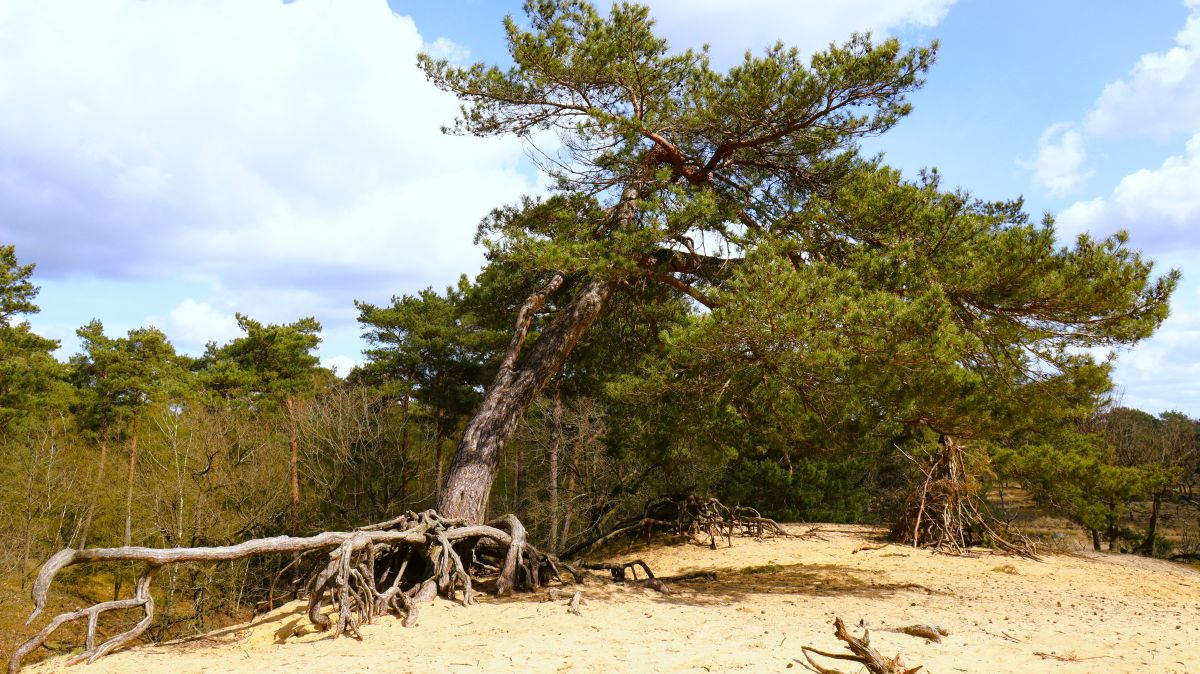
x,y
1069,613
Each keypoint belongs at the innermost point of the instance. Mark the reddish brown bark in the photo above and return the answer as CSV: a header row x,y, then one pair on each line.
x,y
519,380
293,464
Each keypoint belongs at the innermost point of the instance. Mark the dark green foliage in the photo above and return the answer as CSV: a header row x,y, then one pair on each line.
x,y
814,490
431,347
268,364
1074,474
31,388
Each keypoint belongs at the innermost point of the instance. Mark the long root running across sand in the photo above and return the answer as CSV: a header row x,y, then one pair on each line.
x,y
389,567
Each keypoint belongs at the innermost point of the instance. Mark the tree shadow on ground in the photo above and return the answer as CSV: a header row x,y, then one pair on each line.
x,y
804,580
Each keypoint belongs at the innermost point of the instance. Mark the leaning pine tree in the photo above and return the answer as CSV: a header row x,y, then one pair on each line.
x,y
667,173
823,275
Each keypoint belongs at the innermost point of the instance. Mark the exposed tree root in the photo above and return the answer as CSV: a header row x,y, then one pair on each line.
x,y
389,567
948,512
860,652
690,517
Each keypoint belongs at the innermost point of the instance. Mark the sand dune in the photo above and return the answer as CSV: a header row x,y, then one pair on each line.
x,y
1082,612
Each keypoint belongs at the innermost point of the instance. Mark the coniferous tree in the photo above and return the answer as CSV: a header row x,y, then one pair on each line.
x,y
743,192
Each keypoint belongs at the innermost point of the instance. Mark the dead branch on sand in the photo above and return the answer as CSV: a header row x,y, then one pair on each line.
x,y
860,652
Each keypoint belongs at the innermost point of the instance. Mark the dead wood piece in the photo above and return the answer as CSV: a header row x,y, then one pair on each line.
x,y
860,652
697,575
929,632
1067,657
389,567
690,517
867,548
573,606
948,512
617,570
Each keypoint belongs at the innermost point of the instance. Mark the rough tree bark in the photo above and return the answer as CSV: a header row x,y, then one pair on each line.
x,y
517,384
293,466
556,439
1147,545
128,538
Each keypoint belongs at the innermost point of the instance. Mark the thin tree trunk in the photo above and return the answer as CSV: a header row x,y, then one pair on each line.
x,y
1147,546
556,439
1096,540
129,491
516,384
518,506
570,492
438,440
293,465
95,496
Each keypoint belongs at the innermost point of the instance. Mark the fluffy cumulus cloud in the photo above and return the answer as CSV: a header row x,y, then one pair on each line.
x,y
1159,99
192,324
809,26
1164,373
1058,167
1160,207
254,143
1138,104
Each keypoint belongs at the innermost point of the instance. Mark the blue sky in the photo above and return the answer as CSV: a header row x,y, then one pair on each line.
x,y
172,162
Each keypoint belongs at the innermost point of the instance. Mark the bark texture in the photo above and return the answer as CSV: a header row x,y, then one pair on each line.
x,y
475,463
473,470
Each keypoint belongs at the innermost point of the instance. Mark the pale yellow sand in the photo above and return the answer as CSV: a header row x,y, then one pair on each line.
x,y
1107,613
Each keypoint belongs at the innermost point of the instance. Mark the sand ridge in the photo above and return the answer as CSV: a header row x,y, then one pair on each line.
x,y
1080,612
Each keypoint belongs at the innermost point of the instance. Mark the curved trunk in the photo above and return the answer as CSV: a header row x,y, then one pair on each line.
x,y
478,456
473,470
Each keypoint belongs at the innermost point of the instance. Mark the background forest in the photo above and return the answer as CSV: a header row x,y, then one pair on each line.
x,y
131,442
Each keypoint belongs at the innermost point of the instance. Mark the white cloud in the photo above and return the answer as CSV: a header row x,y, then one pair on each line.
x,y
1161,95
732,28
191,324
269,145
341,365
1160,207
1058,167
1160,98
1163,373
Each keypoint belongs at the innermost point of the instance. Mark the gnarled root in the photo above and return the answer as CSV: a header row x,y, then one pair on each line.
x,y
388,567
860,652
690,516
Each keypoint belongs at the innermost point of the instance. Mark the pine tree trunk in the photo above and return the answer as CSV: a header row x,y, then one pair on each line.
x,y
475,463
555,447
570,492
95,496
473,469
1147,546
1096,540
293,465
438,440
129,492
